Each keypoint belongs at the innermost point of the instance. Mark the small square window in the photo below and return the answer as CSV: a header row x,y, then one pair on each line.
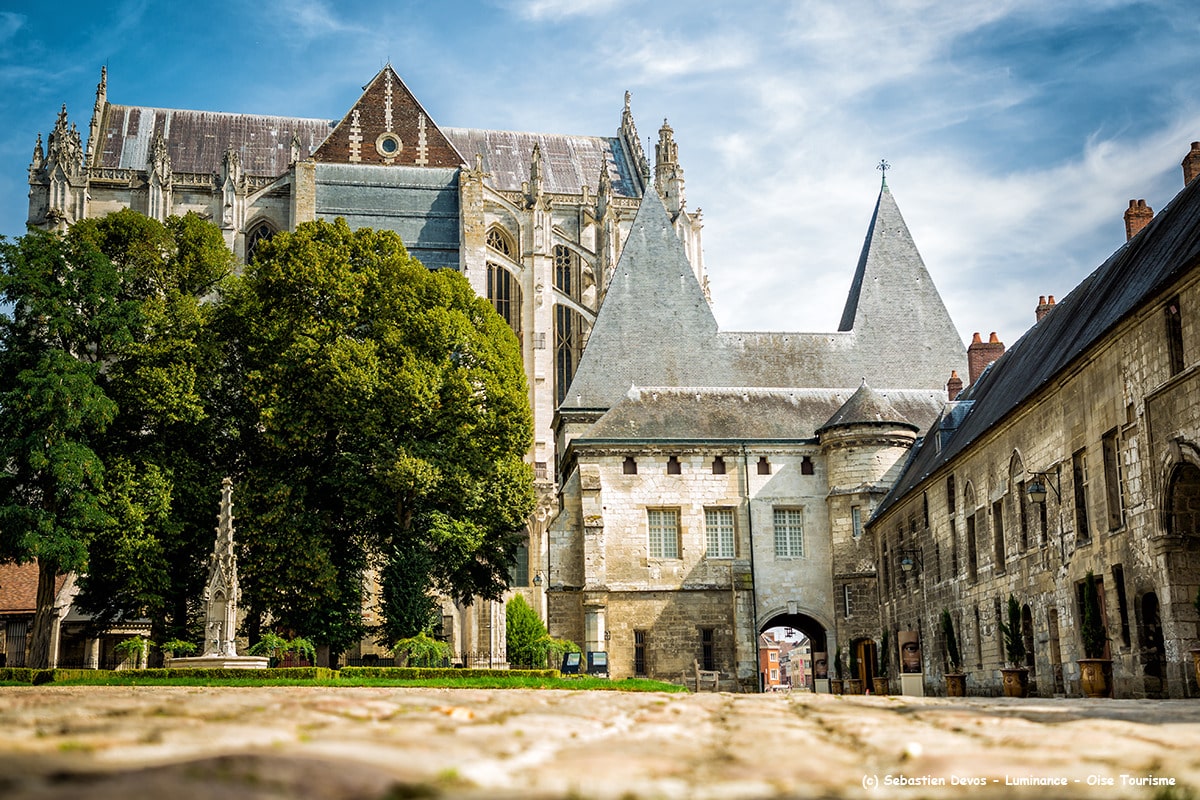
x,y
806,466
718,466
764,466
629,467
673,466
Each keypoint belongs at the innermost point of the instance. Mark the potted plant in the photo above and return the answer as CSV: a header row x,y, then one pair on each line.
x,y
880,683
1196,650
836,685
133,652
1016,674
956,681
1095,671
854,684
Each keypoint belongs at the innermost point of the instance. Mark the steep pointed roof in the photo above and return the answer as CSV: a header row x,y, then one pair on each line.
x,y
892,289
866,407
387,126
655,326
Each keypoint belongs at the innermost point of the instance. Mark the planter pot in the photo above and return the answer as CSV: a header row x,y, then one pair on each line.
x,y
1016,682
836,685
881,686
956,684
1095,677
854,686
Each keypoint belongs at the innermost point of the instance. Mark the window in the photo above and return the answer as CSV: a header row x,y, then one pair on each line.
x,y
519,574
789,533
639,653
950,494
806,466
257,235
567,336
629,466
499,241
1079,478
925,510
708,656
1118,573
764,466
505,296
954,565
1175,336
718,466
972,552
856,521
673,466
566,271
772,657
1114,491
664,532
847,601
718,524
998,531
1022,516
774,674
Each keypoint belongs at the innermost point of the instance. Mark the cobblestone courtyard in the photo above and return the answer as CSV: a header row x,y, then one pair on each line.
x,y
334,743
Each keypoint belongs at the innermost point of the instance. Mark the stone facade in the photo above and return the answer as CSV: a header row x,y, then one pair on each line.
x,y
1099,404
705,508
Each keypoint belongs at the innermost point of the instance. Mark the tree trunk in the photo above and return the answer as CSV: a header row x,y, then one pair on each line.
x,y
44,619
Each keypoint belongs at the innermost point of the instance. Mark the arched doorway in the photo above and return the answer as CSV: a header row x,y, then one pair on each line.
x,y
1179,618
810,649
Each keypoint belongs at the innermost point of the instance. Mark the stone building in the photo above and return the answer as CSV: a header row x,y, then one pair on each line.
x,y
714,484
1099,406
535,221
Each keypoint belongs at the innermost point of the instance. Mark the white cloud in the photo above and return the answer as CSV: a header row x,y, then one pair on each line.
x,y
10,23
561,9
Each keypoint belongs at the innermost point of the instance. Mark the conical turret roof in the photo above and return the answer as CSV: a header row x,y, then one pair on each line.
x,y
866,407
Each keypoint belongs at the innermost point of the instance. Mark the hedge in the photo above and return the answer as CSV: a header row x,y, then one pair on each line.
x,y
433,673
37,677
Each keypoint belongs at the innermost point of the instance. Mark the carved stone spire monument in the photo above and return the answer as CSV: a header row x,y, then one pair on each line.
x,y
221,600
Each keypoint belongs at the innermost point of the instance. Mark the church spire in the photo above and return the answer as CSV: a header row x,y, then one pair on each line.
x,y
668,175
97,117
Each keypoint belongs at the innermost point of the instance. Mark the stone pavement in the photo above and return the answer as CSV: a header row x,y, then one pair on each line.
x,y
183,743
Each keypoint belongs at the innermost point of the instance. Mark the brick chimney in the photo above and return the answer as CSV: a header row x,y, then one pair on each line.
x,y
954,385
1137,216
1191,164
979,355
1044,307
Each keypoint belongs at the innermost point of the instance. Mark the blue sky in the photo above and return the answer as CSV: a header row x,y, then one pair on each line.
x,y
1017,130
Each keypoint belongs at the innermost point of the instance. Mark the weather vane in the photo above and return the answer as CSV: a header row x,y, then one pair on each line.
x,y
883,167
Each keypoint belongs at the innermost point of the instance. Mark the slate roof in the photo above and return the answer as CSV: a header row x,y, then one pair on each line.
x,y
868,407
655,310
568,162
1146,266
742,414
197,140
18,587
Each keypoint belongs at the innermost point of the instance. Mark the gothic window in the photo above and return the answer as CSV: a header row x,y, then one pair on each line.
x,y
566,272
518,575
568,338
718,525
499,241
1079,479
1183,501
972,553
663,524
1016,473
257,235
1113,489
789,533
998,532
505,295
1175,336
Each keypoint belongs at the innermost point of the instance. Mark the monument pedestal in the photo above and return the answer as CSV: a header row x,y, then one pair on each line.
x,y
912,684
821,685
221,662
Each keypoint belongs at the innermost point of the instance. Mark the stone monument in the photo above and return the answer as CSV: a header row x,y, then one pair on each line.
x,y
221,600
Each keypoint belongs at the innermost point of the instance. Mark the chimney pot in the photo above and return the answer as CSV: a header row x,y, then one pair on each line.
x,y
954,385
975,339
979,355
1191,164
993,339
1051,300
1043,308
1137,217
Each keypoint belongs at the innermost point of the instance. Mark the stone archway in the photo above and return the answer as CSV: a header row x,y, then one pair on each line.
x,y
814,631
1152,647
1181,522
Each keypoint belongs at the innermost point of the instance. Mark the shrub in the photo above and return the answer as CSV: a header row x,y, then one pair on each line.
x,y
133,650
422,650
177,647
1092,631
1014,642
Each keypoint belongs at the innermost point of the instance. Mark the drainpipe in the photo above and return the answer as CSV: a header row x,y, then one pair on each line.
x,y
750,530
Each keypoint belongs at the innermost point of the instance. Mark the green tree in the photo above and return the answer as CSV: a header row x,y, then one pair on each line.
x,y
384,419
1092,631
65,319
169,440
1014,641
525,634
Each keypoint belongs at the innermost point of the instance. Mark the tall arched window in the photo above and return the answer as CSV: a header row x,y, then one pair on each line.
x,y
499,241
505,295
258,234
568,331
1183,500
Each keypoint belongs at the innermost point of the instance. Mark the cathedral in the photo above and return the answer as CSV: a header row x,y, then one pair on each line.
x,y
696,486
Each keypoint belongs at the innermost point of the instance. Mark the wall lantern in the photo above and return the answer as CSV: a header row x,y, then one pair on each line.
x,y
537,579
910,559
1037,487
